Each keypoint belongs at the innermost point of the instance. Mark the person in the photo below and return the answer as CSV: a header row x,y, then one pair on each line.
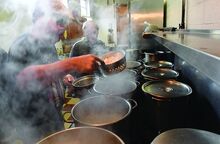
x,y
34,73
89,44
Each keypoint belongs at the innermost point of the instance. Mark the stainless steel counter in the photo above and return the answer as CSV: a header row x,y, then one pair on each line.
x,y
201,50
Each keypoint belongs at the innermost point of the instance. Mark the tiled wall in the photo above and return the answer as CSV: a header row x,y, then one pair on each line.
x,y
203,14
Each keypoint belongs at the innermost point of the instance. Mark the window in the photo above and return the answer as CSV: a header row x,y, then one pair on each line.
x,y
85,10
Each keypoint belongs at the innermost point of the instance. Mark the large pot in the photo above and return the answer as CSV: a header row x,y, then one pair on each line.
x,y
110,112
82,135
187,136
135,65
128,74
168,101
113,85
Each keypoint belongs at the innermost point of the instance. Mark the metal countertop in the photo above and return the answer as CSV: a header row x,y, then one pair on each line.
x,y
201,50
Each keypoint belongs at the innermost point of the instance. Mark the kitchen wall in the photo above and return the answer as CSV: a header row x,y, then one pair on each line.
x,y
174,12
203,14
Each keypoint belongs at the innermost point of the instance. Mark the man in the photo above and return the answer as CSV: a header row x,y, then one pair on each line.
x,y
34,74
89,44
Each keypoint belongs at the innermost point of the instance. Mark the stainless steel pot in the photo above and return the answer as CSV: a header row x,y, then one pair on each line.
x,y
149,57
135,65
82,84
109,112
168,102
85,81
187,136
102,110
128,74
83,135
113,85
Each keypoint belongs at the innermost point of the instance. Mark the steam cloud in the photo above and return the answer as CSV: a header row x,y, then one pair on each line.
x,y
13,126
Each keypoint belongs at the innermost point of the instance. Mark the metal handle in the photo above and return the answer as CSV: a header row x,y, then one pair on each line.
x,y
132,101
92,92
137,83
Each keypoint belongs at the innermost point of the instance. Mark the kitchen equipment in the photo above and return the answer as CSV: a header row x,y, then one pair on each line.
x,y
149,57
109,112
164,55
166,89
113,85
187,136
135,65
82,135
168,101
159,74
158,64
102,110
114,61
82,84
85,81
128,74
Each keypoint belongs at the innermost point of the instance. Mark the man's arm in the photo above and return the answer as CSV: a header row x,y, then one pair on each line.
x,y
48,72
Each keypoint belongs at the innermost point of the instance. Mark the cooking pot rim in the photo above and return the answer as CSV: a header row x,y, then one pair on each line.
x,y
116,66
98,96
130,91
82,127
83,78
157,78
112,52
158,64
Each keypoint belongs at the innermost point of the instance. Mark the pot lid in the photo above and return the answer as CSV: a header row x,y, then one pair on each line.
x,y
159,73
166,89
187,136
132,64
158,64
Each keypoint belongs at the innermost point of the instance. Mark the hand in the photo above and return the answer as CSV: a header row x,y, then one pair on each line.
x,y
68,80
86,63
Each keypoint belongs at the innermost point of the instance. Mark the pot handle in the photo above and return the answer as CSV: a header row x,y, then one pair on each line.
x,y
134,103
137,83
92,92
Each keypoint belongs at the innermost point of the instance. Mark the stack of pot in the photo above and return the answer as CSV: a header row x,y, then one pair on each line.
x,y
165,99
